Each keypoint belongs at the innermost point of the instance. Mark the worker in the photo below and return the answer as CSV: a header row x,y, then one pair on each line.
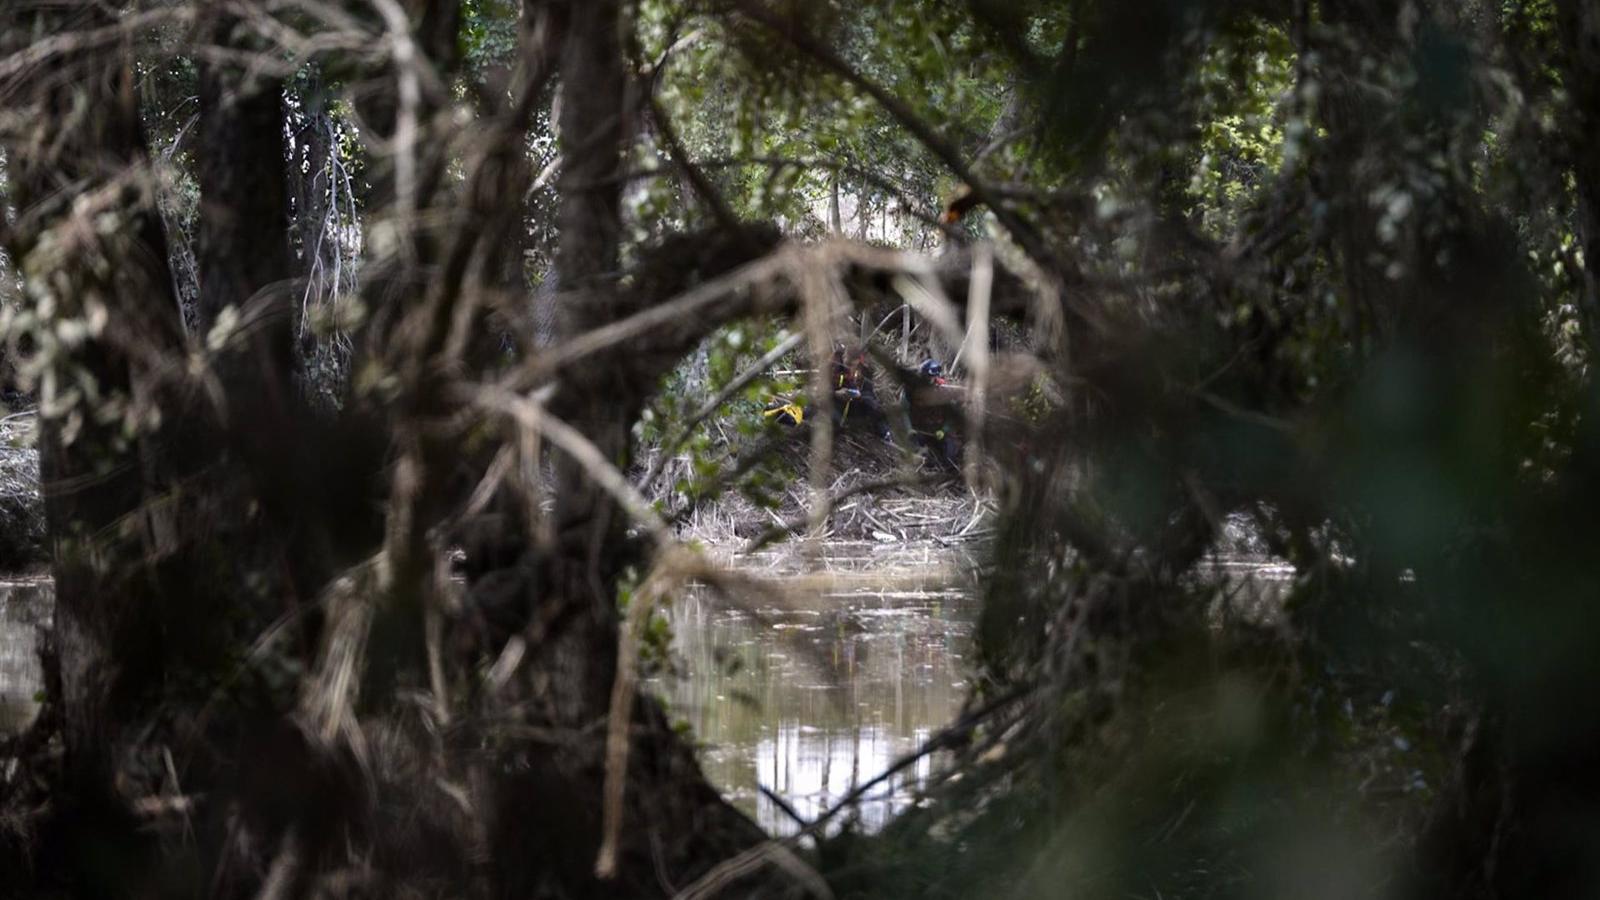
x,y
855,396
784,411
933,406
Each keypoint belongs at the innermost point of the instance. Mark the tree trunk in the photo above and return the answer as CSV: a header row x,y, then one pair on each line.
x,y
90,245
244,209
590,227
244,263
676,826
96,484
577,661
835,222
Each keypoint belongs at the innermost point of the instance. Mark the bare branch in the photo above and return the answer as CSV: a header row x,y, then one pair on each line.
x,y
978,334
671,445
531,414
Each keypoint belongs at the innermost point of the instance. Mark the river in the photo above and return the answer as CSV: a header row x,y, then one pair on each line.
x,y
806,697
800,696
809,697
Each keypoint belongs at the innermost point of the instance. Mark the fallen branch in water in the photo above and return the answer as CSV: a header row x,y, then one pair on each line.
x,y
948,736
778,851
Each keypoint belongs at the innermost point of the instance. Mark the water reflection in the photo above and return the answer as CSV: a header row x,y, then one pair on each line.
x,y
24,605
814,696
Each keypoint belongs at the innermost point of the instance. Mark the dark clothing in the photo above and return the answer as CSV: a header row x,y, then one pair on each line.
x,y
855,397
853,373
858,410
785,412
934,409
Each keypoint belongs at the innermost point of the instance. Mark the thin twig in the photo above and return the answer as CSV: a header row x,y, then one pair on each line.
x,y
724,873
979,290
755,370
685,305
831,501
531,414
622,695
405,54
817,293
947,153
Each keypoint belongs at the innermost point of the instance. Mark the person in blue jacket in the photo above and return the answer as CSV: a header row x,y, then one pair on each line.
x,y
933,406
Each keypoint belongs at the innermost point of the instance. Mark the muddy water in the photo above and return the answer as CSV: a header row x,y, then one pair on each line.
x,y
802,695
24,606
809,695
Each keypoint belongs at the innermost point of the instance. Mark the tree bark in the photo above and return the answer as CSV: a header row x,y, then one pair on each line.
x,y
675,826
89,242
244,263
244,205
835,222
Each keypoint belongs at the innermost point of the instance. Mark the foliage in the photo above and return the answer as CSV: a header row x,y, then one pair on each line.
x,y
1325,268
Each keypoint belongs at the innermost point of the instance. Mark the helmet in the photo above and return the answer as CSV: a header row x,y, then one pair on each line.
x,y
930,368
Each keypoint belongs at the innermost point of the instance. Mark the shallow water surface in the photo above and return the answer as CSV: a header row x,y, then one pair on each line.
x,y
813,693
802,695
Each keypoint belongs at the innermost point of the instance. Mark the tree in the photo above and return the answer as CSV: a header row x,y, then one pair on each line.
x,y
1324,267
139,647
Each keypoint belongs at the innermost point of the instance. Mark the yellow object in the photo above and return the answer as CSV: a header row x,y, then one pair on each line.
x,y
793,410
